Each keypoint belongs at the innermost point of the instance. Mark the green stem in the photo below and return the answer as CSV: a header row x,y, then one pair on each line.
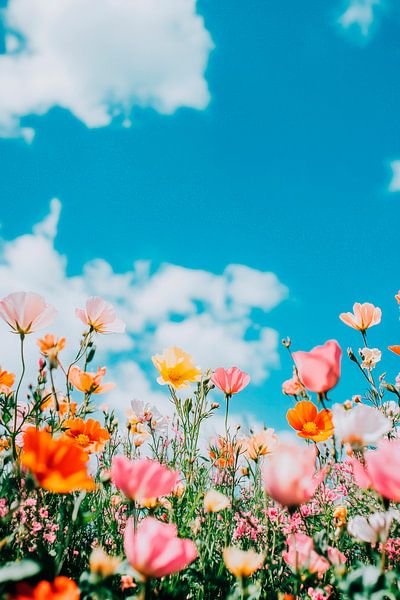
x,y
21,337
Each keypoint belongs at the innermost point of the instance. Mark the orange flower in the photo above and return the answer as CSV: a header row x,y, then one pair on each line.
x,y
64,405
6,381
223,453
397,296
89,435
4,444
50,346
62,588
310,424
58,465
89,383
395,349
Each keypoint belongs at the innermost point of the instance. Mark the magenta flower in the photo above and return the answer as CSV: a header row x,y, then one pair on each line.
x,y
155,550
142,479
26,312
231,381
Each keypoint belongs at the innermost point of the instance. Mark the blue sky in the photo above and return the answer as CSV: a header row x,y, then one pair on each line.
x,y
286,169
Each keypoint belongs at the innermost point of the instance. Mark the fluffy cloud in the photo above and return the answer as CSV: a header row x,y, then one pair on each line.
x,y
213,316
360,14
394,185
99,58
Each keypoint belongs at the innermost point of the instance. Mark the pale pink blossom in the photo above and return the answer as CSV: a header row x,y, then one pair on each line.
x,y
319,369
231,381
142,479
301,555
100,316
381,469
26,312
361,425
363,316
372,528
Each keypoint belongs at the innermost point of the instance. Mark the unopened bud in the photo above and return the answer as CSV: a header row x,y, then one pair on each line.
x,y
215,405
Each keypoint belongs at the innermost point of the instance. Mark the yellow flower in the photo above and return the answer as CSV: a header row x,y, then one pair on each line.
x,y
176,368
102,564
242,563
340,515
215,501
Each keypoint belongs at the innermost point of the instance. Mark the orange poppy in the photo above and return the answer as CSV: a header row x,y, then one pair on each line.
x,y
223,453
309,423
6,381
58,465
89,383
89,435
62,588
395,349
50,346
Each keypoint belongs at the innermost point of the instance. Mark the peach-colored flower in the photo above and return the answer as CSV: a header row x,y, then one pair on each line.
x,y
309,423
100,316
89,435
260,444
142,479
242,563
230,381
6,381
62,588
223,452
26,312
58,464
381,470
50,346
301,555
89,383
155,550
215,501
292,387
363,316
102,564
176,368
319,369
289,475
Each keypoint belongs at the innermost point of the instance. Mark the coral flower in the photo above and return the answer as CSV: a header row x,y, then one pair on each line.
x,y
176,368
260,444
292,387
395,349
26,312
89,435
155,550
89,383
363,316
242,563
102,564
361,425
289,475
57,464
6,381
301,555
397,297
50,346
319,369
230,381
62,588
309,423
214,501
100,316
142,479
381,470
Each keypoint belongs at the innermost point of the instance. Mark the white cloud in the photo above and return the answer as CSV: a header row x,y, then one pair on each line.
x,y
209,315
394,185
99,58
360,14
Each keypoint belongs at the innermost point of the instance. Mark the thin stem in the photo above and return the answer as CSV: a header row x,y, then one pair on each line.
x,y
21,337
227,397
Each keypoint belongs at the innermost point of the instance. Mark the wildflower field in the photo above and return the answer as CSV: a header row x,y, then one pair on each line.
x,y
94,507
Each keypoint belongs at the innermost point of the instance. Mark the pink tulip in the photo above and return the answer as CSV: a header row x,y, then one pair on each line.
x,y
100,316
363,316
381,470
231,381
26,312
289,475
319,369
142,479
154,550
301,555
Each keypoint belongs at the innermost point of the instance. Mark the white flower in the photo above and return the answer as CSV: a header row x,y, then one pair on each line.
x,y
370,357
373,528
214,501
361,425
391,409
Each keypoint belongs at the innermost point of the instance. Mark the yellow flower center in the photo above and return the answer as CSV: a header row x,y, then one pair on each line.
x,y
310,427
174,376
82,439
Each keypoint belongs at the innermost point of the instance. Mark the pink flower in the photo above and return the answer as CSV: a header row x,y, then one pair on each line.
x,y
363,316
26,312
231,381
289,475
301,555
100,316
155,550
142,479
319,369
381,471
292,387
